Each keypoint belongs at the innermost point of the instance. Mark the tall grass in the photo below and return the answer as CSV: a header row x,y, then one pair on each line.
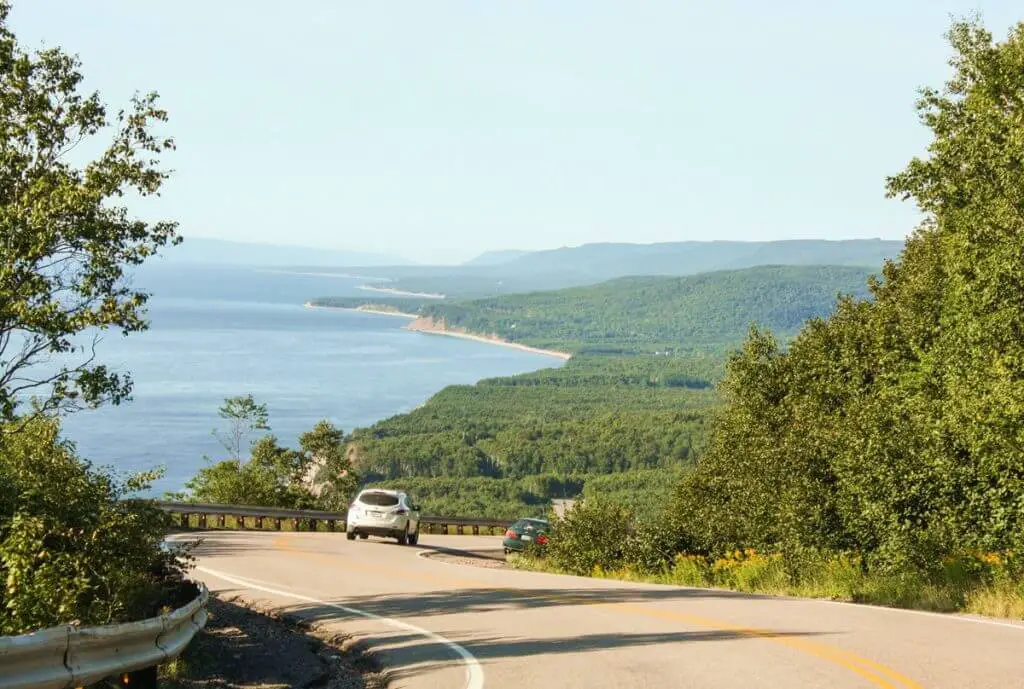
x,y
980,584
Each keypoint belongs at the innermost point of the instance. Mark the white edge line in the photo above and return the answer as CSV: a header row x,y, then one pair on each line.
x,y
953,617
474,673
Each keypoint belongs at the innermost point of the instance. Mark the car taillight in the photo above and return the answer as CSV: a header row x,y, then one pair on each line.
x,y
511,534
401,511
542,539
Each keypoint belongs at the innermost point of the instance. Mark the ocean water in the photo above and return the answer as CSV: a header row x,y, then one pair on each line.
x,y
217,332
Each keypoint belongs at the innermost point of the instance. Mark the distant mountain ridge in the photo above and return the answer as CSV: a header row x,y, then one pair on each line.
x,y
493,258
203,250
590,264
610,260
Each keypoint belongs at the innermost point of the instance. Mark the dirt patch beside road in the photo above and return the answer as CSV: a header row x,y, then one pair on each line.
x,y
486,559
245,648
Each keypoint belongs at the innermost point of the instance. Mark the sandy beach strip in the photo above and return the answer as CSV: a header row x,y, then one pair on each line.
x,y
417,327
359,309
434,330
401,293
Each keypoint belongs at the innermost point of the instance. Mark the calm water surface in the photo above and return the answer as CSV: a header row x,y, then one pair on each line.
x,y
219,332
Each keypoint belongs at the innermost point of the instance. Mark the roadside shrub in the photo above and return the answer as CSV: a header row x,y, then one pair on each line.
x,y
651,546
593,535
72,547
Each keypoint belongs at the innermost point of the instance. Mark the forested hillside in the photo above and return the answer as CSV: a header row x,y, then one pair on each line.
x,y
700,312
880,455
636,397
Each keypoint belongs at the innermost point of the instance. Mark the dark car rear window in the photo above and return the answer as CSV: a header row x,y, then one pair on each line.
x,y
531,524
379,499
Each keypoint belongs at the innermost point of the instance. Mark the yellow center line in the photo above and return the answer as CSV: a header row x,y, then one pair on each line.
x,y
875,673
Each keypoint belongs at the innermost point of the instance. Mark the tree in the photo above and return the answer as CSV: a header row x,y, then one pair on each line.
x,y
66,239
893,427
244,416
331,476
271,478
72,547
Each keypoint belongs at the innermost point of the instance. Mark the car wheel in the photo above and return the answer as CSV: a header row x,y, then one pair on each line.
x,y
403,538
414,537
350,535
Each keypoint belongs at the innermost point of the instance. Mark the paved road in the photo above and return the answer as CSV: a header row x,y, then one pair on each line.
x,y
445,626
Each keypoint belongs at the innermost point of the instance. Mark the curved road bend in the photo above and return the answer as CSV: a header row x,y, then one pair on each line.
x,y
443,626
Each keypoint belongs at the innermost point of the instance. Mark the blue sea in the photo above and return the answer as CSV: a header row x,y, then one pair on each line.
x,y
218,331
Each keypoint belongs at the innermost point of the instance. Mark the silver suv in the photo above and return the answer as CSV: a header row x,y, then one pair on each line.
x,y
385,513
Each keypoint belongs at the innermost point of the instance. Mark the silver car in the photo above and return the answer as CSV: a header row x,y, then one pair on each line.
x,y
384,513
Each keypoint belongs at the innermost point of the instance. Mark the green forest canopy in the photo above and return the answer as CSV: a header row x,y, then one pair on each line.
x,y
636,399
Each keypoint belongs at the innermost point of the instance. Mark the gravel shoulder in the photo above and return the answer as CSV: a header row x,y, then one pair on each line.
x,y
484,559
246,648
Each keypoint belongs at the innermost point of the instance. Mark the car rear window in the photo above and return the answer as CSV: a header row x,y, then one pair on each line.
x,y
531,524
378,499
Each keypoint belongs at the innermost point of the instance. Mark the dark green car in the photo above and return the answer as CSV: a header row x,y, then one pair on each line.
x,y
525,531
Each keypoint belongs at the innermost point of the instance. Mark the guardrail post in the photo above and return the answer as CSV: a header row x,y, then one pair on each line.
x,y
458,529
312,525
222,521
202,521
277,523
476,530
330,525
259,522
184,520
143,679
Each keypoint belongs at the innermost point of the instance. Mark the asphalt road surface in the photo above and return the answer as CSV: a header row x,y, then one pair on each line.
x,y
437,625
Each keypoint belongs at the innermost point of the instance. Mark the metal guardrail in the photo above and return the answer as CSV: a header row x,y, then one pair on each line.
x,y
66,657
332,519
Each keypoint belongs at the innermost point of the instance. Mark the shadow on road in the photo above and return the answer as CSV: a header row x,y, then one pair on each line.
x,y
416,656
489,600
215,544
408,654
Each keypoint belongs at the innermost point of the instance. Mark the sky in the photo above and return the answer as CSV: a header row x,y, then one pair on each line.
x,y
437,130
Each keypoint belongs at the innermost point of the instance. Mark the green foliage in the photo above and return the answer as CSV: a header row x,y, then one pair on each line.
x,y
316,476
66,240
592,535
244,416
706,312
879,457
893,428
634,398
71,546
610,409
334,481
645,493
273,477
508,430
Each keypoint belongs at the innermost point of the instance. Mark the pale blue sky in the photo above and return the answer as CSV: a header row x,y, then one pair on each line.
x,y
440,129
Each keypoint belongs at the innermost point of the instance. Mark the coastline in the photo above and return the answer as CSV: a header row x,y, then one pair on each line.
x,y
359,309
400,292
427,326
